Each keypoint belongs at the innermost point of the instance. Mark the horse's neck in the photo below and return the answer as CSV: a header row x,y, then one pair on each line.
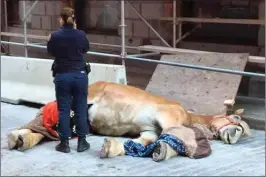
x,y
201,119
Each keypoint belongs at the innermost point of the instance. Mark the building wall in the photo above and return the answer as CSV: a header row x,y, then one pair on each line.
x,y
44,19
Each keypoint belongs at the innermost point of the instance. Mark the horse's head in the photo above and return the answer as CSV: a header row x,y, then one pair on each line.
x,y
230,128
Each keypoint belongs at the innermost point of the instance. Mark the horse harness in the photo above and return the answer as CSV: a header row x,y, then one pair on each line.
x,y
232,120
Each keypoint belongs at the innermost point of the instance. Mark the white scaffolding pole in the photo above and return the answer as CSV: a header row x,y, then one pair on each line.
x,y
25,16
123,54
31,8
25,29
5,7
174,23
123,36
6,48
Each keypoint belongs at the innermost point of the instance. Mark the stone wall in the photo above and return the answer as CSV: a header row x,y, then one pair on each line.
x,y
44,19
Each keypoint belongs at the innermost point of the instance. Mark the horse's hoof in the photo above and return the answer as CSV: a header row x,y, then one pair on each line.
x,y
22,142
159,152
12,139
105,148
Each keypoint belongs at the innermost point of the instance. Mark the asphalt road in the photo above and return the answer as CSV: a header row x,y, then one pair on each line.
x,y
245,158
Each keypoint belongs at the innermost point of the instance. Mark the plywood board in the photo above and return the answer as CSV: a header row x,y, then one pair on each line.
x,y
198,90
170,50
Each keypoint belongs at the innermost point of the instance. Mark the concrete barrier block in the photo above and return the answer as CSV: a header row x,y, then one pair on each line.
x,y
30,79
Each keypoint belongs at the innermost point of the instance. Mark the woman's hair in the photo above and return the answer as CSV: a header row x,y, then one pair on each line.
x,y
67,15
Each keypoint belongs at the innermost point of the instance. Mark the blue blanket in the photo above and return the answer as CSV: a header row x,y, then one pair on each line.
x,y
138,150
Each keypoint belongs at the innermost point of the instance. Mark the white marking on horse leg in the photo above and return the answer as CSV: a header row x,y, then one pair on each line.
x,y
163,152
92,112
13,137
30,140
146,138
112,148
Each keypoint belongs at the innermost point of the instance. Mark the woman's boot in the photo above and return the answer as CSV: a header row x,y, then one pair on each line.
x,y
63,146
82,144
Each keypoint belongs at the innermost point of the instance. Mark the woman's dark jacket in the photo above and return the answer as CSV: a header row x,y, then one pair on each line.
x,y
68,45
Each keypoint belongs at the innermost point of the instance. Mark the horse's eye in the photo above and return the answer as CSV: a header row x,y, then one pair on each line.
x,y
237,117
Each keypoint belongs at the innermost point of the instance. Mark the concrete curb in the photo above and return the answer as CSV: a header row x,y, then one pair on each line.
x,y
256,121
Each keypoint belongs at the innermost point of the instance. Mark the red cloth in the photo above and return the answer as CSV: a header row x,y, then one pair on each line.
x,y
50,117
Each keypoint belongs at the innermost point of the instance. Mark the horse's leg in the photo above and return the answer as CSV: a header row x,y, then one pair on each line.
x,y
23,139
163,152
113,148
29,140
13,137
146,137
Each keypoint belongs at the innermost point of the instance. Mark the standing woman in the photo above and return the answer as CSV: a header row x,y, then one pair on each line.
x,y
68,45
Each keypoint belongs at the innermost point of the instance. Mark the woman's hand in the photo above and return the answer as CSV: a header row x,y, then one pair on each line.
x,y
49,37
75,25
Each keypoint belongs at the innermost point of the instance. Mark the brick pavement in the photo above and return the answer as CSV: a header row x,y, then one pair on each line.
x,y
245,158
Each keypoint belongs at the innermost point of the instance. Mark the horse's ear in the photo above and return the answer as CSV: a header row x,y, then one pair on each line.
x,y
239,112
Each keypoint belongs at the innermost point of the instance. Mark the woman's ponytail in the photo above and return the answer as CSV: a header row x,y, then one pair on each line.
x,y
67,15
70,20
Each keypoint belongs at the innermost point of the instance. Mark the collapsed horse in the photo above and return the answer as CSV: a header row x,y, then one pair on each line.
x,y
163,128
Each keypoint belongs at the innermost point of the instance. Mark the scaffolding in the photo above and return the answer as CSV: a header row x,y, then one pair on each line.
x,y
153,50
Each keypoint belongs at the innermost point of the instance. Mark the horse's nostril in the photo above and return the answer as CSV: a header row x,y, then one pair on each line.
x,y
238,129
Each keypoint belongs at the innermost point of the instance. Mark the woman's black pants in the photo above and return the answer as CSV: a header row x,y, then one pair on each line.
x,y
71,92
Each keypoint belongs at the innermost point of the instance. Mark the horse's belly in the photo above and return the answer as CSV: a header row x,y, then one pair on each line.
x,y
118,130
107,121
